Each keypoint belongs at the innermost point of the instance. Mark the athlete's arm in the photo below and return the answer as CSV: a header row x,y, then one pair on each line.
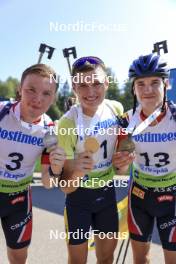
x,y
54,169
76,169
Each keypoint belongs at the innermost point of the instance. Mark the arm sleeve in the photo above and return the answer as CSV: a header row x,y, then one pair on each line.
x,y
45,157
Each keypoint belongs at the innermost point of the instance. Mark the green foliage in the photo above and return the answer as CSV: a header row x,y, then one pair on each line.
x,y
126,97
8,88
113,92
54,112
60,104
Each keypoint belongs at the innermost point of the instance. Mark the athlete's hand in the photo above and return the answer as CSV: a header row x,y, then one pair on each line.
x,y
57,158
122,160
83,163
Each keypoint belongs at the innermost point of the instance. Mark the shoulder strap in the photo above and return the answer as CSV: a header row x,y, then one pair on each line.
x,y
5,110
122,121
172,108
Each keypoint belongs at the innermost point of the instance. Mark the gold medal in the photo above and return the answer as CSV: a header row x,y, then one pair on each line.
x,y
126,144
91,144
49,140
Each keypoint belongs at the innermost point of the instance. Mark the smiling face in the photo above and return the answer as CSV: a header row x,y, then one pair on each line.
x,y
149,92
91,89
37,95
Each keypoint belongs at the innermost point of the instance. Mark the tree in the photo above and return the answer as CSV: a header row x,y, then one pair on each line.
x,y
65,90
9,87
126,97
113,92
54,112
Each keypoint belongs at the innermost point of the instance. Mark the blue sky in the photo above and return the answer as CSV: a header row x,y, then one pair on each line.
x,y
139,24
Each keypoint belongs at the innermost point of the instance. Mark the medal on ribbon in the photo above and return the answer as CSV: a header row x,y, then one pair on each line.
x,y
49,140
126,144
91,145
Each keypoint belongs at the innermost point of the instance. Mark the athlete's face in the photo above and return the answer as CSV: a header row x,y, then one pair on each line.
x,y
91,89
149,92
37,95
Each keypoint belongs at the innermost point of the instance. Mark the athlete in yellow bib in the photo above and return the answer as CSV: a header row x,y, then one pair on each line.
x,y
91,129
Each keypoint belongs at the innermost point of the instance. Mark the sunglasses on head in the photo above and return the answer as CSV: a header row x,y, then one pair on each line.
x,y
86,60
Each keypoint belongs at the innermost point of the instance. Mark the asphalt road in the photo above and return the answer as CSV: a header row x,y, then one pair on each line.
x,y
47,246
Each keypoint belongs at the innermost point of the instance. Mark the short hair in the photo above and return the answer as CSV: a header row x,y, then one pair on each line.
x,y
42,70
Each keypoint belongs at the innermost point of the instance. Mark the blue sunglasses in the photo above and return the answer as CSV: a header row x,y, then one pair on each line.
x,y
87,60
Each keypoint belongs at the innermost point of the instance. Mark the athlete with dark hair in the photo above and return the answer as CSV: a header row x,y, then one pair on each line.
x,y
152,194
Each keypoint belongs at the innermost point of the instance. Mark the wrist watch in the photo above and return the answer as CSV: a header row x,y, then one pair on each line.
x,y
56,175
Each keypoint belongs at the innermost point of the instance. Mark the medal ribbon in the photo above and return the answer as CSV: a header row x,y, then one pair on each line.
x,y
134,131
94,121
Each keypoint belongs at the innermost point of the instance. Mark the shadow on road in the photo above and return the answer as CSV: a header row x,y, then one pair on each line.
x,y
53,200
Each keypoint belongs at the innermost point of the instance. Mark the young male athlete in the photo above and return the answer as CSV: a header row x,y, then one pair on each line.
x,y
152,193
23,126
89,153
